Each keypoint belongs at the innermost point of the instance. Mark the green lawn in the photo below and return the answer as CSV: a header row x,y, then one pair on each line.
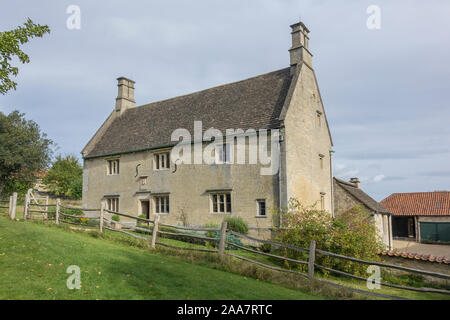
x,y
34,259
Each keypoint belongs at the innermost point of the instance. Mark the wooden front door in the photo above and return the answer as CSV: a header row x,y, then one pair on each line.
x,y
145,208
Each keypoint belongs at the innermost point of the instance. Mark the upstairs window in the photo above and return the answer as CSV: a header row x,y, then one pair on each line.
x,y
113,204
321,156
223,153
221,202
161,204
319,118
261,208
113,167
162,161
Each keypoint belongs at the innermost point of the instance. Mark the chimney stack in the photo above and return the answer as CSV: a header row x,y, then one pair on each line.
x,y
125,96
355,181
299,51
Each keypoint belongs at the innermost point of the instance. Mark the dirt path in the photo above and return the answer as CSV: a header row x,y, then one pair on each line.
x,y
437,250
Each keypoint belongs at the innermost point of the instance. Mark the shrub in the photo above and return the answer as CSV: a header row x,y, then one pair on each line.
x,y
352,234
115,217
76,188
237,224
265,248
211,234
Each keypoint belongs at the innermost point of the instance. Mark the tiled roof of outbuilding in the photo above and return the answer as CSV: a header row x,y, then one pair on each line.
x,y
435,203
253,103
416,256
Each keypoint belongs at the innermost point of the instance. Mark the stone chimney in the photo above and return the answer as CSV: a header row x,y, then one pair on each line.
x,y
299,51
355,181
125,96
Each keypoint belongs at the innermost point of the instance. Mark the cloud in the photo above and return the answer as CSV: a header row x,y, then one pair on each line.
x,y
436,173
386,100
379,178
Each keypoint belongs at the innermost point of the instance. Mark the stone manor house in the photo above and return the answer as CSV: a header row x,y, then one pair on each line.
x,y
127,162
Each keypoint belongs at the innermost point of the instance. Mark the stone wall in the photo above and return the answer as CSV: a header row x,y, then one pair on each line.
x,y
306,140
188,189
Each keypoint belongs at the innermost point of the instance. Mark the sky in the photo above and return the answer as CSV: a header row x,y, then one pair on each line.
x,y
386,91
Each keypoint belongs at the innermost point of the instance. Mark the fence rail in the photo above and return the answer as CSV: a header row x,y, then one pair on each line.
x,y
106,222
386,265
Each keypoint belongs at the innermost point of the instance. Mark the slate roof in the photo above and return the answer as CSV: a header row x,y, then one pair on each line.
x,y
361,196
435,203
253,103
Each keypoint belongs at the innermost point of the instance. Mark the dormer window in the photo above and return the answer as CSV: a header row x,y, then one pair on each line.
x,y
113,167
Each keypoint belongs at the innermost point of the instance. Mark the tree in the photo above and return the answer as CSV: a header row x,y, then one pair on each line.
x,y
10,42
65,177
24,152
352,233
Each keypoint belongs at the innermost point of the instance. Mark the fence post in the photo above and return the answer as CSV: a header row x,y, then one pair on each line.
x,y
102,214
25,207
10,205
311,258
223,237
155,230
58,203
46,208
14,206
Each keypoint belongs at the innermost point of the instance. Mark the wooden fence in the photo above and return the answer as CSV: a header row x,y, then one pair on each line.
x,y
312,251
11,205
105,221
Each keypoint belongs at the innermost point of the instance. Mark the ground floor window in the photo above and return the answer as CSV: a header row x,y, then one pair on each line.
x,y
113,204
161,204
221,202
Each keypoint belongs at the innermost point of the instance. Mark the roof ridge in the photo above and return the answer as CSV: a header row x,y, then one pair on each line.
x,y
350,184
420,192
215,87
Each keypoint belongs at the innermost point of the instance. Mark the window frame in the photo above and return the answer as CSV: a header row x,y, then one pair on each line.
x,y
319,118
258,208
112,170
322,201
161,207
158,163
221,203
113,204
321,159
226,153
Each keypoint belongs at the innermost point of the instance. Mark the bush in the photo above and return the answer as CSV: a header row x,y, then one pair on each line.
x,y
115,217
265,248
351,234
237,224
76,188
211,234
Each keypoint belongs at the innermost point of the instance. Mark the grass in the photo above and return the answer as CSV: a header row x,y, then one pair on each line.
x,y
237,267
34,258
